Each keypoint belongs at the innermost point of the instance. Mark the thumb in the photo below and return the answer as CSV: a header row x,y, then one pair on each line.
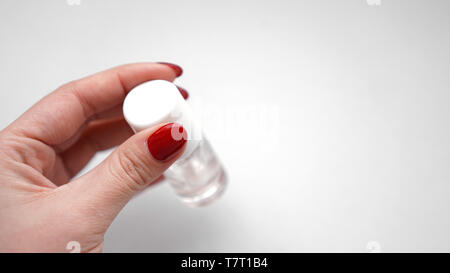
x,y
129,169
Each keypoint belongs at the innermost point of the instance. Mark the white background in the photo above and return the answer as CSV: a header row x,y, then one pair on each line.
x,y
331,117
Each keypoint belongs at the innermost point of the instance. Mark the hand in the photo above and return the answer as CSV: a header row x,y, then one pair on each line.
x,y
40,211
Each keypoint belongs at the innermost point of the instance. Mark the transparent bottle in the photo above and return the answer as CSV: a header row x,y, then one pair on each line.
x,y
197,176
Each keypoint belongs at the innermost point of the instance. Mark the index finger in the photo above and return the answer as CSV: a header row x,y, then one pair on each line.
x,y
56,117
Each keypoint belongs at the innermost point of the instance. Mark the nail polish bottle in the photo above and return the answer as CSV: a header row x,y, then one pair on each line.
x,y
197,176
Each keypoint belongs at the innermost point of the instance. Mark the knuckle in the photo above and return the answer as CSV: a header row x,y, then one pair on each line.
x,y
133,170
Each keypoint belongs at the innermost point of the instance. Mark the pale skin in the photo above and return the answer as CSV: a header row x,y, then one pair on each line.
x,y
42,208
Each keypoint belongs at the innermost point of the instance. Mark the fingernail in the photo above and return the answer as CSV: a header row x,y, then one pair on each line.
x,y
165,142
183,92
178,70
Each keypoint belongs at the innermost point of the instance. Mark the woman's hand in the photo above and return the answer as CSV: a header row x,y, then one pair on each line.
x,y
50,143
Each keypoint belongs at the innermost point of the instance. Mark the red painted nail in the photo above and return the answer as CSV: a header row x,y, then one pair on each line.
x,y
178,70
183,92
165,142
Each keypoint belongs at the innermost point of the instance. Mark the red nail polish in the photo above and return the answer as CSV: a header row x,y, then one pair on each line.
x,y
178,70
183,92
165,142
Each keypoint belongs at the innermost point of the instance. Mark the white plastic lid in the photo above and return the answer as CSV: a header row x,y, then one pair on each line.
x,y
156,102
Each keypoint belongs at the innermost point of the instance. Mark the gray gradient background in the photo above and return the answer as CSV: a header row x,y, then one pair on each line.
x,y
355,146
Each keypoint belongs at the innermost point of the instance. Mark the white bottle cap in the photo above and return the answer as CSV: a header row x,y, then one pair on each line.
x,y
156,102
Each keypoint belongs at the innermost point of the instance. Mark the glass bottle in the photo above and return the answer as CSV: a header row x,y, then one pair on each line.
x,y
197,176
